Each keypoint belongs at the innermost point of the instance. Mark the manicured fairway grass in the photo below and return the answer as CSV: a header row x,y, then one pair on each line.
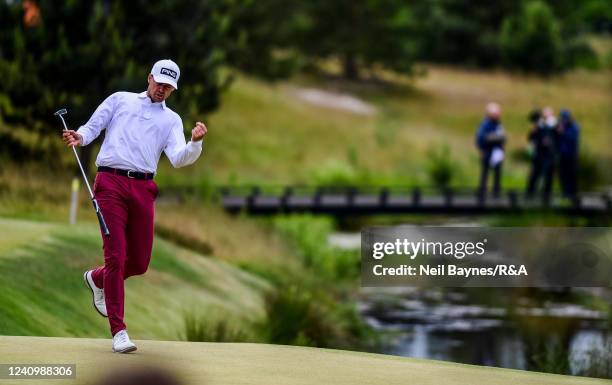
x,y
259,364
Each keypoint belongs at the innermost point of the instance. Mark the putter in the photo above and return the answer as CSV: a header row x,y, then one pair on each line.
x,y
103,227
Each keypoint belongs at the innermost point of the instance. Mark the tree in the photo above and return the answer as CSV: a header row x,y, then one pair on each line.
x,y
261,39
461,32
61,60
531,41
360,33
79,52
471,32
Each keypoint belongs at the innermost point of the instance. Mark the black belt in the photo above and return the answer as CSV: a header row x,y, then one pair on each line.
x,y
128,173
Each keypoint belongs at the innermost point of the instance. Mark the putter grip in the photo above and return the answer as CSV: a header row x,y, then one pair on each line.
x,y
103,226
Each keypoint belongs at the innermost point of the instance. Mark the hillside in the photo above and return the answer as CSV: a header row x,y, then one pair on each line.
x,y
271,134
41,267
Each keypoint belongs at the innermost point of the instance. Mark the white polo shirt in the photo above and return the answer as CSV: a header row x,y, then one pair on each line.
x,y
137,131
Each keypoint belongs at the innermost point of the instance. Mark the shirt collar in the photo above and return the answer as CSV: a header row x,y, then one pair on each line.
x,y
143,95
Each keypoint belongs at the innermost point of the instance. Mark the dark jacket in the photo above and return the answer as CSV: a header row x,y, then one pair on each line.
x,y
568,137
545,139
490,135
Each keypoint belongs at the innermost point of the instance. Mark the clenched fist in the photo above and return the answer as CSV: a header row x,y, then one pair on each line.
x,y
71,138
198,132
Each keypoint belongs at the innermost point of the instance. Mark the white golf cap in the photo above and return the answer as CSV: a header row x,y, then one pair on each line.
x,y
166,71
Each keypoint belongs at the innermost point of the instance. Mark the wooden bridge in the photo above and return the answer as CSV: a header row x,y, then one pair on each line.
x,y
368,201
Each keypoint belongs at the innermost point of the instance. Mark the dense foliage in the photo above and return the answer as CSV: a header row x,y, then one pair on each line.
x,y
74,53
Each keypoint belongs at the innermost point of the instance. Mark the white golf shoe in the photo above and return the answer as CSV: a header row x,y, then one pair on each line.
x,y
97,294
122,343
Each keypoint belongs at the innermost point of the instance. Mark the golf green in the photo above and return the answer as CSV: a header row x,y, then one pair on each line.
x,y
254,364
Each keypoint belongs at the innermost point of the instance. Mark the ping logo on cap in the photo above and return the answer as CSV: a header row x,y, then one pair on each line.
x,y
168,71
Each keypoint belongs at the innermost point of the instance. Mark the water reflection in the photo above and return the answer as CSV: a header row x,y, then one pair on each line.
x,y
567,330
529,329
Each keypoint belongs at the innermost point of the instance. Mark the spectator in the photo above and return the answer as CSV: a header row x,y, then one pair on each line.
x,y
490,140
569,132
543,136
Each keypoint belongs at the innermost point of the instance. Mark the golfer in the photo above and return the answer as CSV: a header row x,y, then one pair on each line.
x,y
138,128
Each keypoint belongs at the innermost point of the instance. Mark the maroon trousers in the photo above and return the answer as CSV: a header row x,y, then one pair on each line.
x,y
128,208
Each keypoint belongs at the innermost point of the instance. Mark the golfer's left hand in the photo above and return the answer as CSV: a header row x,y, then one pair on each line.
x,y
198,132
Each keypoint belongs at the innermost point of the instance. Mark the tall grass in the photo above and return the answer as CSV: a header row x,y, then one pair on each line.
x,y
316,309
309,236
42,290
242,240
311,317
34,191
198,328
440,167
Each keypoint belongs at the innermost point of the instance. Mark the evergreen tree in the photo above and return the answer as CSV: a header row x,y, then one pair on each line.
x,y
531,41
76,53
360,33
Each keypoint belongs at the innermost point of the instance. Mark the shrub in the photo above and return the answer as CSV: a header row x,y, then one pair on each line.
x,y
590,175
297,316
201,329
440,167
309,236
579,53
291,318
532,41
335,173
551,358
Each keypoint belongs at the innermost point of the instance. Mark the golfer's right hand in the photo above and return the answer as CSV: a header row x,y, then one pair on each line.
x,y
72,138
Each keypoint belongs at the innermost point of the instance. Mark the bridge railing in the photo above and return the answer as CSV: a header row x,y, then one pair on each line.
x,y
268,199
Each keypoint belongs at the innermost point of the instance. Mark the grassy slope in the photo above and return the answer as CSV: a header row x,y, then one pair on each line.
x,y
35,193
253,364
43,293
236,239
264,133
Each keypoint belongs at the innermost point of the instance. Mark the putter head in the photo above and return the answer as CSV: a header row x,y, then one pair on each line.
x,y
61,112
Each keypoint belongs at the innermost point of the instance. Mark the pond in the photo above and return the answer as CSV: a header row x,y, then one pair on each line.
x,y
550,330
